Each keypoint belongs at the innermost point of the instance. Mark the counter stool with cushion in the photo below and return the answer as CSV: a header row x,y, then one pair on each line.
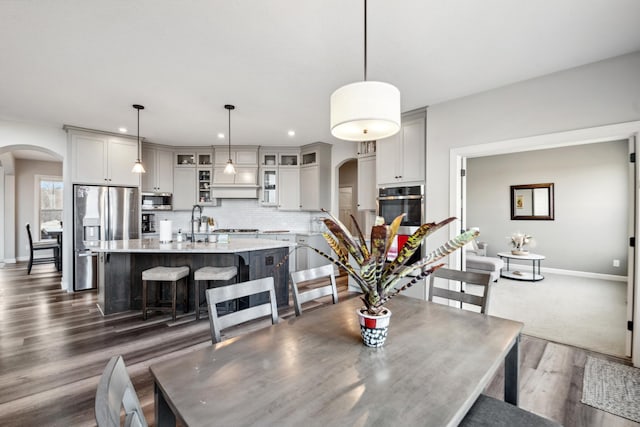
x,y
165,274
206,274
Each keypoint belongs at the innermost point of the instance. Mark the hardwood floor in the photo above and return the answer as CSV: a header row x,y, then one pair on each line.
x,y
54,346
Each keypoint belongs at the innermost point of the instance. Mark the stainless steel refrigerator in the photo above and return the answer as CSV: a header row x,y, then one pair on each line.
x,y
100,213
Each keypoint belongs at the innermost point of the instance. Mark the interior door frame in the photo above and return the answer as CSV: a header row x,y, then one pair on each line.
x,y
607,133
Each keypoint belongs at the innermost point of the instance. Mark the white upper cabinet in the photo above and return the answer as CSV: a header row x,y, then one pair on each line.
x,y
103,159
159,170
185,181
401,157
280,177
289,189
245,161
315,177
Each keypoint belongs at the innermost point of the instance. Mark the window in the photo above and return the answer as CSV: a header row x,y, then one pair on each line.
x,y
50,203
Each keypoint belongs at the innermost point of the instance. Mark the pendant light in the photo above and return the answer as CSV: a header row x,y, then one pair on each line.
x,y
137,166
229,169
366,110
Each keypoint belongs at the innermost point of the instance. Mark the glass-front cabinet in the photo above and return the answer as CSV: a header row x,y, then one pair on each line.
x,y
270,187
185,159
204,185
205,159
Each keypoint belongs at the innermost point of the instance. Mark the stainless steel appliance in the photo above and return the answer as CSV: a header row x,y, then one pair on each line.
x,y
100,213
148,223
394,201
157,201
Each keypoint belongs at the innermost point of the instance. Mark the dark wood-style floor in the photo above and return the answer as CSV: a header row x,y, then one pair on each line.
x,y
54,346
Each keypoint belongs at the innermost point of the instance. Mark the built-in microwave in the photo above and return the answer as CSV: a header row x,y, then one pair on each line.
x,y
156,201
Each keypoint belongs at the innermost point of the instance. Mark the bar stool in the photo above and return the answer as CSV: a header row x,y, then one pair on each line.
x,y
165,274
206,274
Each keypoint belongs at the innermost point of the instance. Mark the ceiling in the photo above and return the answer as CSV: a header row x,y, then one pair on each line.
x,y
85,62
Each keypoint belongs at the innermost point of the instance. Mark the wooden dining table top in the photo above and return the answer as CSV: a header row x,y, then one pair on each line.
x,y
314,370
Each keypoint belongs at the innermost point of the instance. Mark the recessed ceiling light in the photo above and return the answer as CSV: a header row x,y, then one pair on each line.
x,y
221,135
292,133
122,130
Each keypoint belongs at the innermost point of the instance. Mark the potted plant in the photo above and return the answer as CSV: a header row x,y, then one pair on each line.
x,y
377,277
519,241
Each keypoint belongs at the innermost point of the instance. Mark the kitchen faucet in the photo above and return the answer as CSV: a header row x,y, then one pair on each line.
x,y
193,236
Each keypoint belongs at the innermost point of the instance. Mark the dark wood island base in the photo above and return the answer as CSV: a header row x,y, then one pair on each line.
x,y
120,269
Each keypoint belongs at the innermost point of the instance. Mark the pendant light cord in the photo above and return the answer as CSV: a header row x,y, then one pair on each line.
x,y
139,148
229,133
365,40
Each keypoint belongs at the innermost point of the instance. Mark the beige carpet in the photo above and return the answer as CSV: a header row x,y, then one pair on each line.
x,y
586,313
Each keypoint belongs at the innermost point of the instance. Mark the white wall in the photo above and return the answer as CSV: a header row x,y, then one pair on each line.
x,y
597,94
591,206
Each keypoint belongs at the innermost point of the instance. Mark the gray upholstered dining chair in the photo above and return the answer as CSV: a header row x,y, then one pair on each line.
x,y
114,393
252,288
468,277
315,290
42,246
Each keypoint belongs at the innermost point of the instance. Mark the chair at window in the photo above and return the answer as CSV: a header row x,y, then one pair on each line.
x,y
253,288
114,393
314,290
42,246
463,277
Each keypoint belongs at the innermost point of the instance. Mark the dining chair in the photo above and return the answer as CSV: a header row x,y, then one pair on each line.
x,y
42,246
490,412
239,290
114,393
313,290
464,277
486,411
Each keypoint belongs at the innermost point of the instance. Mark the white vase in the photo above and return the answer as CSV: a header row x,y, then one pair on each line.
x,y
374,328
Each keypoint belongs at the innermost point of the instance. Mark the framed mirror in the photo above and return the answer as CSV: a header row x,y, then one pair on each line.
x,y
532,201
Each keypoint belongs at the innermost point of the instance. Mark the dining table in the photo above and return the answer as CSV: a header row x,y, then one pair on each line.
x,y
313,370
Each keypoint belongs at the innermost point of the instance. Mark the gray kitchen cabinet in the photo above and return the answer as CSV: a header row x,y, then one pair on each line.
x,y
158,165
315,177
401,157
102,158
184,179
308,258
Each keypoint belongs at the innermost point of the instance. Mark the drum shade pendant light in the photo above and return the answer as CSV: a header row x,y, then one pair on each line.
x,y
365,111
229,169
137,166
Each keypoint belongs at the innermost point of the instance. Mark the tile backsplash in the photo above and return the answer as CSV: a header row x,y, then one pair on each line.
x,y
243,213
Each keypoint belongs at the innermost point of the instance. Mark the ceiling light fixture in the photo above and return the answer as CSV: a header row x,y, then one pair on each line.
x,y
137,166
229,169
366,110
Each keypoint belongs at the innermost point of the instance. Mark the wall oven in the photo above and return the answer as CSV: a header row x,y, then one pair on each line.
x,y
394,201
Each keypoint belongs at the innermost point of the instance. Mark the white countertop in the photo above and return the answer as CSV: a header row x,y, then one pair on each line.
x,y
154,246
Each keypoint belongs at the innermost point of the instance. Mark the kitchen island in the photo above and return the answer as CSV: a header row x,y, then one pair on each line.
x,y
121,262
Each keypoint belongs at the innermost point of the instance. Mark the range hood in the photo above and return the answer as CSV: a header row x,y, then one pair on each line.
x,y
234,191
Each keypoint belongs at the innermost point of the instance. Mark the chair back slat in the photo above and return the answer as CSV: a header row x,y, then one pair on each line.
x,y
298,277
481,279
239,290
114,393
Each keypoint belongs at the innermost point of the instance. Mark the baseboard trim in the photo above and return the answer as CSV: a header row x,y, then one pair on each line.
x,y
575,273
10,261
